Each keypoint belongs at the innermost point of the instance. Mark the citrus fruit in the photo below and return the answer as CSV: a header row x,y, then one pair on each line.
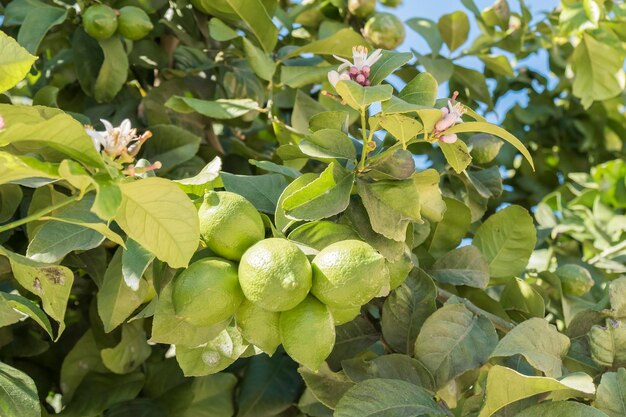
x,y
348,274
575,280
275,275
361,8
258,326
485,148
307,332
399,270
134,23
384,30
100,21
207,292
344,315
229,224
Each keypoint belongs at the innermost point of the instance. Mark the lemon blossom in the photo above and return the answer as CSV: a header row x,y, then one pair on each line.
x,y
1,122
451,115
116,141
356,70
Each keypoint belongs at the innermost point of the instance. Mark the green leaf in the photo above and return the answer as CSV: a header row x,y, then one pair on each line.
x,y
116,300
8,315
561,409
200,182
263,191
280,219
494,130
387,64
327,195
431,200
456,154
170,145
51,283
300,76
428,30
473,82
261,63
24,305
421,90
396,105
83,358
214,356
15,62
391,206
521,301
327,386
338,120
452,341
446,234
539,342
218,109
48,132
401,127
454,28
35,19
506,240
611,395
352,338
114,71
441,68
161,218
406,309
18,393
320,234
499,64
269,387
392,164
328,144
387,397
359,97
209,396
135,261
10,199
462,266
340,43
608,343
220,31
130,353
505,386
276,168
259,21
392,366
487,182
617,296
598,69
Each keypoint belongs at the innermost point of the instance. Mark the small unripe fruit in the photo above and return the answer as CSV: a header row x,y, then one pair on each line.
x,y
100,21
384,30
361,8
134,23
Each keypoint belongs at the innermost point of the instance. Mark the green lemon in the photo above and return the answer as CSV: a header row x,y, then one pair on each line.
x,y
100,21
399,270
344,315
384,30
134,23
275,274
361,8
348,274
258,326
308,332
229,224
575,280
484,148
207,292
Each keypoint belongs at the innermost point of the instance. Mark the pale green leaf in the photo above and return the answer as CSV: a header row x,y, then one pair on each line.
x,y
217,109
328,144
462,266
446,234
84,357
421,90
428,30
340,43
401,127
456,154
611,395
114,71
15,62
387,64
261,63
454,28
608,343
18,393
359,97
130,352
259,21
561,409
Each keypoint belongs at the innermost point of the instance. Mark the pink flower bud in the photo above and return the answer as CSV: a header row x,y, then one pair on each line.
x,y
1,123
444,110
354,71
366,71
344,76
449,138
367,83
360,79
445,122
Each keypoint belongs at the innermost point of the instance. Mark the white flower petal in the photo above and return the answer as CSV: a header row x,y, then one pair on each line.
x,y
333,78
374,57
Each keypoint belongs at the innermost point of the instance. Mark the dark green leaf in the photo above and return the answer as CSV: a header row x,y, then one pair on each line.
x,y
462,266
262,191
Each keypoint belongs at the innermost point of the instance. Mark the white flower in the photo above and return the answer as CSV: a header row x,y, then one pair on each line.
x,y
361,60
334,77
451,115
114,140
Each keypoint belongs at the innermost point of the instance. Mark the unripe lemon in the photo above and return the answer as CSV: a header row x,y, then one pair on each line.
x,y
344,315
100,21
384,30
348,274
361,8
229,224
308,332
575,280
275,274
207,292
134,23
258,326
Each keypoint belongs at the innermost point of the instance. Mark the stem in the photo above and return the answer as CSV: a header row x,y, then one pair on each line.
x,y
365,141
39,214
499,323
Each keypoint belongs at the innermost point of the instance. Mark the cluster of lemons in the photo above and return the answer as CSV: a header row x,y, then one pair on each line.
x,y
275,293
101,22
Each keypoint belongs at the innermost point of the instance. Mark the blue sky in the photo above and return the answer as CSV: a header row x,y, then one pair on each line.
x,y
434,9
